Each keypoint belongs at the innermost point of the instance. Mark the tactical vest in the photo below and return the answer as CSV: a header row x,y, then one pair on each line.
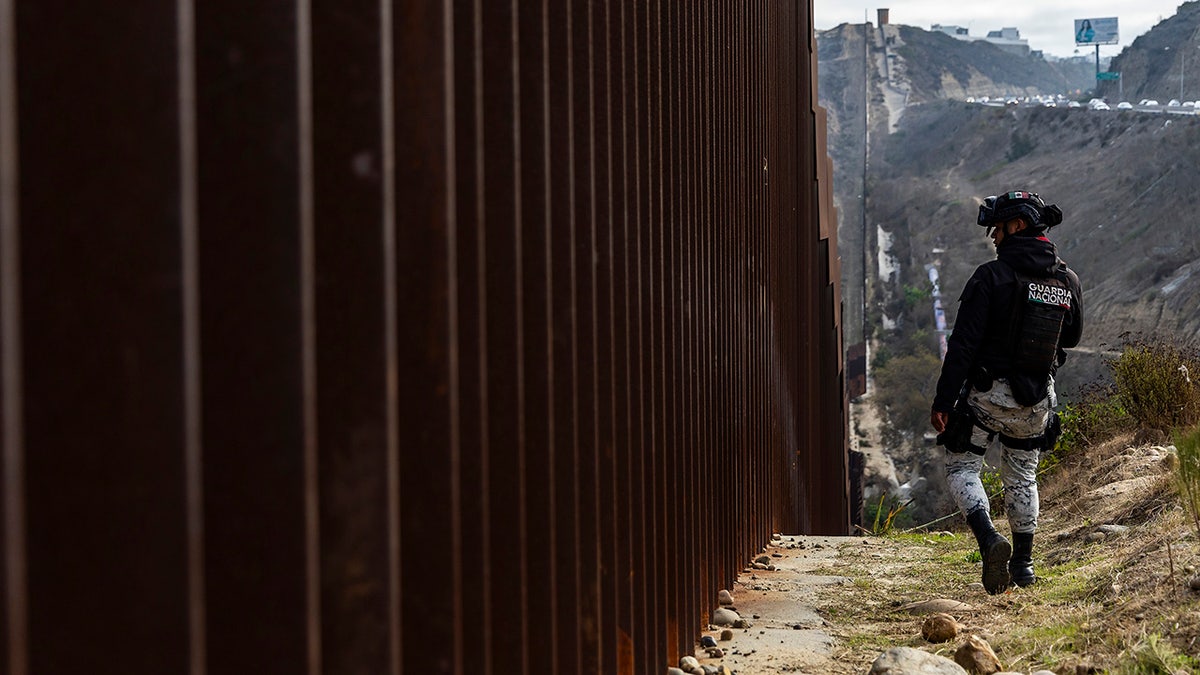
x,y
1040,308
1027,341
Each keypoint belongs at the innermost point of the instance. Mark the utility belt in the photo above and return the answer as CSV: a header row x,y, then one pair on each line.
x,y
957,437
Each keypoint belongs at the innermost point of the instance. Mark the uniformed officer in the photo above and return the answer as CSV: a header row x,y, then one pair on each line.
x,y
1015,316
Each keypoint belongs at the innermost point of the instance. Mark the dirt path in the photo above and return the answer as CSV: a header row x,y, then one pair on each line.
x,y
787,634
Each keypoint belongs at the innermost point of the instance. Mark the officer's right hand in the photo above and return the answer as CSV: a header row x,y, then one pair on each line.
x,y
939,420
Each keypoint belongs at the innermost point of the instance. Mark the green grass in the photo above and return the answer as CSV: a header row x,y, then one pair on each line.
x,y
1066,583
1187,474
1154,656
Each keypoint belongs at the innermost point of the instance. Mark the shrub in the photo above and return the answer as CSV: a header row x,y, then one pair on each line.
x,y
914,295
1187,473
904,389
1096,416
1154,384
1021,145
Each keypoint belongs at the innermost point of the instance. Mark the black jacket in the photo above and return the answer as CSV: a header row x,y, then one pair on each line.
x,y
985,309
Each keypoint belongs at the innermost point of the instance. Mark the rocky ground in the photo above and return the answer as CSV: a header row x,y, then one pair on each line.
x,y
1115,553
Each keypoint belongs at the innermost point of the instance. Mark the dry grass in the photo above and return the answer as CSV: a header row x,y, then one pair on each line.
x,y
1119,601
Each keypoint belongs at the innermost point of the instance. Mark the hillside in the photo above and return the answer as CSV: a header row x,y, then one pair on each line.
x,y
1152,66
1128,182
1116,560
866,78
939,66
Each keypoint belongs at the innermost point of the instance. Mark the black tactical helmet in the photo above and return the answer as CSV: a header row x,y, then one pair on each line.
x,y
996,210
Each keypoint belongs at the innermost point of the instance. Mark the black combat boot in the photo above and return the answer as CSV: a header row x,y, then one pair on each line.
x,y
1021,565
995,550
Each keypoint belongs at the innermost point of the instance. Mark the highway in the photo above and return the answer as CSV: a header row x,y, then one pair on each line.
x,y
1151,107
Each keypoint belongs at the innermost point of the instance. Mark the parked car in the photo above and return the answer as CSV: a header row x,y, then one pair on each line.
x,y
1049,104
1101,106
1149,102
1124,105
1173,103
1073,104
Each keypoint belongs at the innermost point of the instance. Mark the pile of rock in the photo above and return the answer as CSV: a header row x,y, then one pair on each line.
x,y
974,656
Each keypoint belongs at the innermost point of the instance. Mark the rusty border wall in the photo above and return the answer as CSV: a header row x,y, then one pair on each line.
x,y
345,336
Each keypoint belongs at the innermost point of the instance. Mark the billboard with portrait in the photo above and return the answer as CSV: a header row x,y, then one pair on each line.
x,y
1096,31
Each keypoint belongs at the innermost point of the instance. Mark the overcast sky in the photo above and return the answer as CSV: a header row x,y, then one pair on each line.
x,y
1048,25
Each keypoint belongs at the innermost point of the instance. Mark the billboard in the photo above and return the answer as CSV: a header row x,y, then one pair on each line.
x,y
1096,31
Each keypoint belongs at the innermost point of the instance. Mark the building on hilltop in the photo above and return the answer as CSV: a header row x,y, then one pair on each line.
x,y
1007,38
953,31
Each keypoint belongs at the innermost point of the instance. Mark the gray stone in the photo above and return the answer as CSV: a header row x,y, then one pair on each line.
x,y
763,559
675,671
724,597
726,635
689,664
936,605
1112,529
725,617
707,641
741,623
710,670
1043,672
909,661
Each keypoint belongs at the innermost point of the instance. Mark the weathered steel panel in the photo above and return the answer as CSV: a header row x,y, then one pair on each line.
x,y
452,337
100,337
357,343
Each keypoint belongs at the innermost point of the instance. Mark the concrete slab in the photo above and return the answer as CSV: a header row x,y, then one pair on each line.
x,y
787,634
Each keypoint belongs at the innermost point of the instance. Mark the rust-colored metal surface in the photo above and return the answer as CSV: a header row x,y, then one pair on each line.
x,y
350,336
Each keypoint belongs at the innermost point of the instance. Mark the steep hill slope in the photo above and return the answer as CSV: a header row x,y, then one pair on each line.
x,y
1152,66
939,66
1127,182
868,75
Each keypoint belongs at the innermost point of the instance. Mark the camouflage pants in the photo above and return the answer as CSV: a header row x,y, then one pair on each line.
x,y
999,412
